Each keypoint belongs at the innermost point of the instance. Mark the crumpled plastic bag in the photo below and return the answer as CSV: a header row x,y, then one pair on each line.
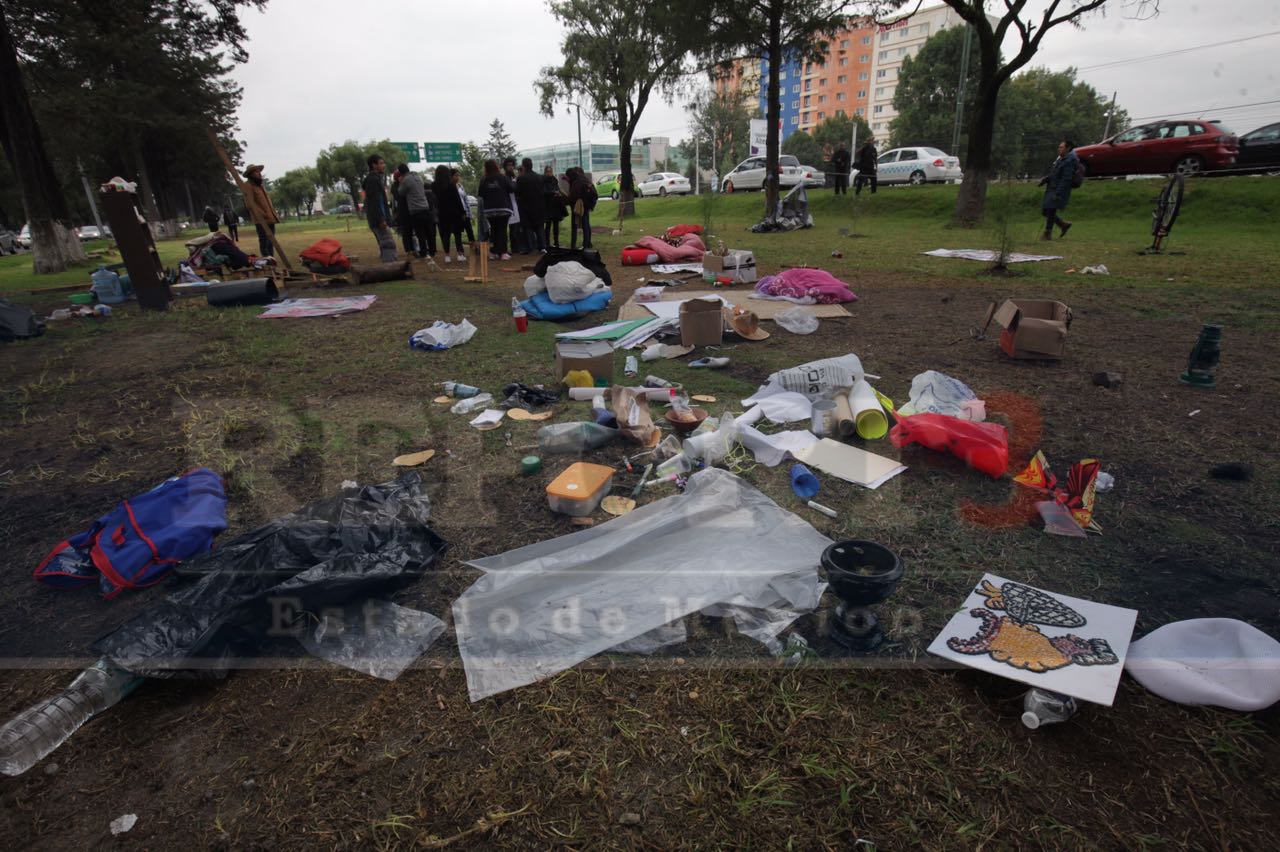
x,y
569,281
377,637
442,335
982,446
797,320
814,379
937,393
528,397
365,540
534,285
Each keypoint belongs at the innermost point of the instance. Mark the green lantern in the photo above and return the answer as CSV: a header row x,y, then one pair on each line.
x,y
1203,358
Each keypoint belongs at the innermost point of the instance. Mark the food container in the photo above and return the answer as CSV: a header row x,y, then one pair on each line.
x,y
647,294
579,488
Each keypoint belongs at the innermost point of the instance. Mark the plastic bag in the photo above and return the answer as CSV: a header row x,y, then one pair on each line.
x,y
362,541
574,437
938,393
376,637
442,335
797,320
982,446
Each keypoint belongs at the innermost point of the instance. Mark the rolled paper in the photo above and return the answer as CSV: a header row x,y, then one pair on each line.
x,y
867,413
845,424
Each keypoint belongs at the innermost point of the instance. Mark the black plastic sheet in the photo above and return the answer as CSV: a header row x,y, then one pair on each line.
x,y
364,541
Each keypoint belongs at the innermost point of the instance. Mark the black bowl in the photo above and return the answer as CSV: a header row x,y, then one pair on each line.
x,y
861,572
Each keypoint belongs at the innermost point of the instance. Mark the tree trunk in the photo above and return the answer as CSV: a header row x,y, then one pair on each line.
x,y
147,192
627,181
774,112
54,244
971,203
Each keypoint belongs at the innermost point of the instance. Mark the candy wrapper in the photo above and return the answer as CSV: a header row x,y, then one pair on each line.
x,y
1078,495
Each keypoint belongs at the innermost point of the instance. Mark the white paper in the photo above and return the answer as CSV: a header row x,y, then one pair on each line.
x,y
786,407
772,450
671,310
989,255
850,463
591,332
1051,641
669,268
488,417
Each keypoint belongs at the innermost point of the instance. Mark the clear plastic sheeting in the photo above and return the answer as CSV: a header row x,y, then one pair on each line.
x,y
377,638
545,607
938,393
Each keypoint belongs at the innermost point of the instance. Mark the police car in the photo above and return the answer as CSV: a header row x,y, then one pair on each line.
x,y
916,166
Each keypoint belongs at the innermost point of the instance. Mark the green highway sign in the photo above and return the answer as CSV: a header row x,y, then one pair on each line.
x,y
410,151
442,152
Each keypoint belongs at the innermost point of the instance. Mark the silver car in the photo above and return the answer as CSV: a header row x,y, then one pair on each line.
x,y
917,166
750,174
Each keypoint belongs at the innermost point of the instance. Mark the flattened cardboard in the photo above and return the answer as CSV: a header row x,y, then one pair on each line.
x,y
700,323
1033,328
850,463
594,356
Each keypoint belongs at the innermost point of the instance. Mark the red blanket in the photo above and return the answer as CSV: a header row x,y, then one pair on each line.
x,y
690,249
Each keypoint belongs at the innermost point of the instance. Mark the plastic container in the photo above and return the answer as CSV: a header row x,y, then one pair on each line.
x,y
80,298
40,729
106,286
518,314
1042,707
574,437
459,390
578,490
861,572
472,403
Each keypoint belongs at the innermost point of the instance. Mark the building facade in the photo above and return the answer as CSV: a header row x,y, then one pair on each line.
x,y
895,40
599,158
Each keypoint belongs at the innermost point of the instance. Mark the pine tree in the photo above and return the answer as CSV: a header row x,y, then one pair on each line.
x,y
500,145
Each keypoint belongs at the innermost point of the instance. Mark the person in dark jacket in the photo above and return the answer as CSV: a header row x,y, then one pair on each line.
x,y
232,221
401,211
518,242
449,212
468,215
580,204
553,200
421,208
496,191
840,165
868,163
1057,189
533,206
377,211
210,217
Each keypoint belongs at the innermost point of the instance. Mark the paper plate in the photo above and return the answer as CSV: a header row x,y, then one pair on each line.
x,y
488,427
616,505
413,459
521,414
703,397
443,399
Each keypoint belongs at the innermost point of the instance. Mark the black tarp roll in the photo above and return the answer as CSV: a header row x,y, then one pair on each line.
x,y
251,291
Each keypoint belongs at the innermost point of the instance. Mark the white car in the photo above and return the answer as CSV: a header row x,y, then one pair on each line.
x,y
664,183
88,232
24,237
917,166
813,177
749,174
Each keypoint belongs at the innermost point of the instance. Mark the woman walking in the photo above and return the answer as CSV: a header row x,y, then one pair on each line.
x,y
1057,189
449,212
496,193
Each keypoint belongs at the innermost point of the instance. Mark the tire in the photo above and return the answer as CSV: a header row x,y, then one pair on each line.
x,y
1168,205
917,178
1192,164
662,192
727,189
614,195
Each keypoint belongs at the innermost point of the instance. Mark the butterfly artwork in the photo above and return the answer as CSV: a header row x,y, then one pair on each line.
x,y
1053,641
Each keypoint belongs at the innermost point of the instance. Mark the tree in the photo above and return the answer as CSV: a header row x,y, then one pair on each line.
x,y
617,55
499,145
776,31
837,130
1041,107
719,125
803,147
54,245
296,190
994,72
346,164
471,169
925,96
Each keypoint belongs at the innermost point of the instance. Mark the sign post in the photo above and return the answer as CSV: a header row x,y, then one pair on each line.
x,y
410,150
442,152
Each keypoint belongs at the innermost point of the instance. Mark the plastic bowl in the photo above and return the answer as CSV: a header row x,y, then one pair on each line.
x,y
684,427
861,572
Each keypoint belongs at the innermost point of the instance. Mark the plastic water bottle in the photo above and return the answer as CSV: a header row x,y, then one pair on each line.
x,y
472,403
106,286
518,314
459,390
1042,707
40,729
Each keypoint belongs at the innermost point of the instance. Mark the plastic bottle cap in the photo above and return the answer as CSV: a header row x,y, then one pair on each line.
x,y
1031,720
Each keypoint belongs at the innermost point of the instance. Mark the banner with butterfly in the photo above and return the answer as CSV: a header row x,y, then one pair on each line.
x,y
1045,639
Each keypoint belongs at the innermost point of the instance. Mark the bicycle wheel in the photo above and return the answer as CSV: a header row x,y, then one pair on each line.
x,y
1168,205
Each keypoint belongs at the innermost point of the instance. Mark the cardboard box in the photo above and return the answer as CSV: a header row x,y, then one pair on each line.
x,y
1033,328
594,356
738,265
701,323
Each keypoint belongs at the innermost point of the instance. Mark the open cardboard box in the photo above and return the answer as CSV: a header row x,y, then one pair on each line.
x,y
594,356
1033,328
701,323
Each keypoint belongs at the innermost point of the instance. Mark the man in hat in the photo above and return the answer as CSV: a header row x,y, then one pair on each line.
x,y
261,210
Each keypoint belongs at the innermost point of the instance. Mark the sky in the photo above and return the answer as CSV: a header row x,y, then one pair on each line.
x,y
323,71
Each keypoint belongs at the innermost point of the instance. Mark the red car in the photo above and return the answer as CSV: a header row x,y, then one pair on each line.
x,y
1185,146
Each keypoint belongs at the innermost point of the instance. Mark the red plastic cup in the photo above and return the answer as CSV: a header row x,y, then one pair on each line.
x,y
522,323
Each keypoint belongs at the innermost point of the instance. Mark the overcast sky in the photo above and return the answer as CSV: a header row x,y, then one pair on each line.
x,y
322,71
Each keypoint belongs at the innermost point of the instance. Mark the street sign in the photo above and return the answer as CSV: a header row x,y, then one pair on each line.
x,y
410,151
442,152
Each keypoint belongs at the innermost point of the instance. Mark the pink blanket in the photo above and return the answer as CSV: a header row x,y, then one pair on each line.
x,y
817,284
690,249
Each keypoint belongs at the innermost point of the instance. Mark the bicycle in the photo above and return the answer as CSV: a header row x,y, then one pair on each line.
x,y
1167,206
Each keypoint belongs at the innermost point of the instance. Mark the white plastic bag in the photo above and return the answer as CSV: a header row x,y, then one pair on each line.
x,y
937,393
442,335
533,285
569,281
797,320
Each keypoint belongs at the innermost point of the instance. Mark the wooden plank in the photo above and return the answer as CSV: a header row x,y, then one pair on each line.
x,y
254,213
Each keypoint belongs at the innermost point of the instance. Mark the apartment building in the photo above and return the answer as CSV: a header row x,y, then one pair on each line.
x,y
895,40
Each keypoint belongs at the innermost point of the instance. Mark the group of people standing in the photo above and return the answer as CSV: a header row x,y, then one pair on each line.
x,y
866,163
524,209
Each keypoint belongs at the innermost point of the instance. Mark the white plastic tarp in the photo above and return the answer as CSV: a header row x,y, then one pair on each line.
x,y
545,607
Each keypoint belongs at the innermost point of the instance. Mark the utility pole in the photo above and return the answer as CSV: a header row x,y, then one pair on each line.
x,y
964,76
697,167
1106,131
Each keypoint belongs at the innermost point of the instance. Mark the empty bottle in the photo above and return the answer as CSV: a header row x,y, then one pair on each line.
x,y
1042,707
459,390
472,403
40,729
576,437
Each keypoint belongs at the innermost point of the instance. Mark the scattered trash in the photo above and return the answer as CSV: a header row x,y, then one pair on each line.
x,y
982,446
1058,520
629,819
331,307
519,316
1032,328
459,390
1194,413
1238,471
850,463
441,335
634,421
1104,483
938,393
526,397
818,507
803,482
664,350
1220,662
102,310
1043,707
442,400
861,573
490,418
1203,358
616,505
592,357
576,437
733,265
588,592
1078,495
472,403
990,256
702,397
1100,269
530,465
815,379
821,417
522,414
579,488
122,824
837,254
797,320
804,286
376,637
701,323
631,368
413,459
713,363
1108,380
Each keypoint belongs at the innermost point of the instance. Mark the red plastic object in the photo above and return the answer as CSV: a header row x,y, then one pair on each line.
x,y
637,256
982,446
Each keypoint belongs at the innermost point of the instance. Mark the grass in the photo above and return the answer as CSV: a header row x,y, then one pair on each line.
x,y
723,746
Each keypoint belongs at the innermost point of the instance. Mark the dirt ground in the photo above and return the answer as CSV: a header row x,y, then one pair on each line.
x,y
713,743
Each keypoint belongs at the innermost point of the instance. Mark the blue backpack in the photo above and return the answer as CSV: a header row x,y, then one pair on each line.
x,y
139,541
